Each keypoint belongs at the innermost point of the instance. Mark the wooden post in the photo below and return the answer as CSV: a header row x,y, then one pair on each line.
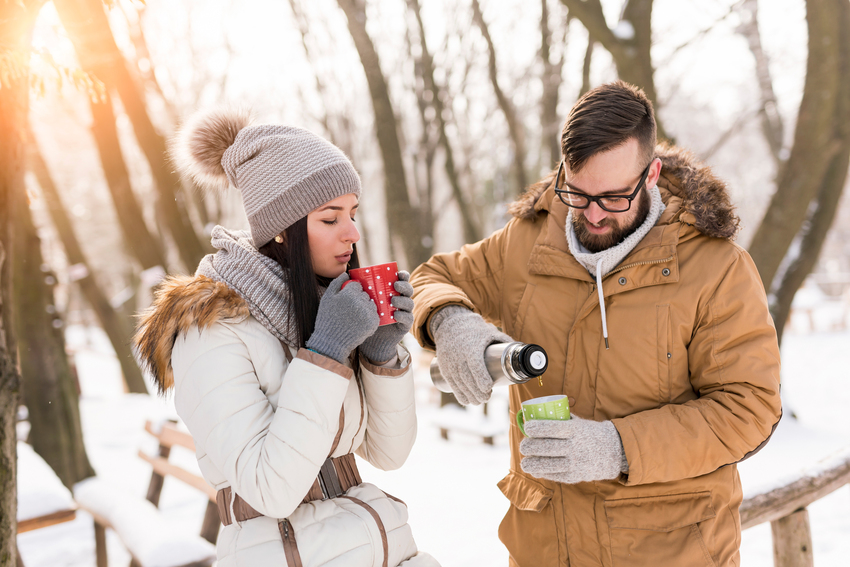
x,y
792,540
100,545
211,524
155,486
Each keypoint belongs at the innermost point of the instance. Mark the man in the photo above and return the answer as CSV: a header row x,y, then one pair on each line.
x,y
621,266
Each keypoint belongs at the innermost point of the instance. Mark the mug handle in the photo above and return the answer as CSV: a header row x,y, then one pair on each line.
x,y
520,421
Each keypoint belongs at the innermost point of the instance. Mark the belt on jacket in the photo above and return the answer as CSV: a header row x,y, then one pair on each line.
x,y
335,477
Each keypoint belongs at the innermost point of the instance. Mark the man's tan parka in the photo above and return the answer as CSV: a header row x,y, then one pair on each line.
x,y
691,379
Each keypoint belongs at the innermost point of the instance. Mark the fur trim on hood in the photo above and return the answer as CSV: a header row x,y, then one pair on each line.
x,y
179,303
704,196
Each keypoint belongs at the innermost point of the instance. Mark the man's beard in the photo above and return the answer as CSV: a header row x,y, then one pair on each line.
x,y
599,242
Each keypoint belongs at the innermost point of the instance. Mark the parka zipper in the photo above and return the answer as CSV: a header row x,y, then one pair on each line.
x,y
647,263
290,547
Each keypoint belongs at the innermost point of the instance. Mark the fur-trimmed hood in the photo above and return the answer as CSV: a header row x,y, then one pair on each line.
x,y
179,303
703,197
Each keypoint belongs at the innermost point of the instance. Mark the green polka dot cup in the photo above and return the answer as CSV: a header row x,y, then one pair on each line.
x,y
547,407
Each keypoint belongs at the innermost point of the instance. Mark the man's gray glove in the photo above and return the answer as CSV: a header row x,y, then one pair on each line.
x,y
381,346
571,451
461,337
345,318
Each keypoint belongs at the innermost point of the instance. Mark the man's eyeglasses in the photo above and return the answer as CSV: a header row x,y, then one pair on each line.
x,y
610,203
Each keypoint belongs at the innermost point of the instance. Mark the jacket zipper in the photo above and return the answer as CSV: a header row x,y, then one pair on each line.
x,y
647,263
290,547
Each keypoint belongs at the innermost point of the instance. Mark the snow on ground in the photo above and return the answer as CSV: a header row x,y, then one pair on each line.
x,y
450,486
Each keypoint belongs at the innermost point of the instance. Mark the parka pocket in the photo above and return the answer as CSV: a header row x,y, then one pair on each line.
x,y
528,530
662,530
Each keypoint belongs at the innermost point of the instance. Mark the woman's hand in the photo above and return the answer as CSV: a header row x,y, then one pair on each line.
x,y
345,319
381,346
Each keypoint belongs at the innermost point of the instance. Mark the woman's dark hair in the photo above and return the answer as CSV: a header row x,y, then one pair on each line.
x,y
293,255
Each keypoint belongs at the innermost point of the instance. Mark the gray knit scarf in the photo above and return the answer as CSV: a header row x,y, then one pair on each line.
x,y
612,257
599,264
258,279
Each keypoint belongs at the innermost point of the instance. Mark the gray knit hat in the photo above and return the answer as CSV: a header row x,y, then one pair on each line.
x,y
283,172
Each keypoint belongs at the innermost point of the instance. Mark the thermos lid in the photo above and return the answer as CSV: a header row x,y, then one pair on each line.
x,y
534,360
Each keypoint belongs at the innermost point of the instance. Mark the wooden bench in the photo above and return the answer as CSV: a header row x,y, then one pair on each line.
x,y
470,421
802,475
139,523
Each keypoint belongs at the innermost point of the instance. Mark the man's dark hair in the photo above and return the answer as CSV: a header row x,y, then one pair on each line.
x,y
302,284
605,118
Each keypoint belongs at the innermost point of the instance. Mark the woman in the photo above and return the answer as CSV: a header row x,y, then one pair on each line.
x,y
279,370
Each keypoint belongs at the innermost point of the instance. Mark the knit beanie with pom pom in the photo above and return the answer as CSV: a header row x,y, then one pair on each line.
x,y
283,172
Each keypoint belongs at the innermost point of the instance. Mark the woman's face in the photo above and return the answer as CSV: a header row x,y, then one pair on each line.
x,y
331,234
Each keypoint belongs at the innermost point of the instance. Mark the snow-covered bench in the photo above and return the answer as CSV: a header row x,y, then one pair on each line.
x,y
797,467
470,421
42,498
139,524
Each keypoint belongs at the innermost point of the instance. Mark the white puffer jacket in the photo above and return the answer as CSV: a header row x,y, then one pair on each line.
x,y
264,426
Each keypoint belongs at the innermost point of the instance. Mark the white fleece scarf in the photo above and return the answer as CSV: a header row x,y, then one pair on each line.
x,y
600,264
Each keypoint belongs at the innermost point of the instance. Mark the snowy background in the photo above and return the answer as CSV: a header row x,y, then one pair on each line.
x,y
450,486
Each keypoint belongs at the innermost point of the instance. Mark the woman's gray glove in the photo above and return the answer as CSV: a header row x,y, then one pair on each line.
x,y
461,337
571,451
381,346
345,319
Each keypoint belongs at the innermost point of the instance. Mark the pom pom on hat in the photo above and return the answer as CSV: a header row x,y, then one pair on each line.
x,y
202,141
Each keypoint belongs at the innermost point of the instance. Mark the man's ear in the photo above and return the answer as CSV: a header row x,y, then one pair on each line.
x,y
654,173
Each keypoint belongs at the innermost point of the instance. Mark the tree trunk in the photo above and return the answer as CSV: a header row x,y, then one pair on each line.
x,y
49,388
816,142
814,230
423,159
88,28
515,129
139,240
629,44
118,329
16,21
400,211
471,229
549,121
585,67
771,120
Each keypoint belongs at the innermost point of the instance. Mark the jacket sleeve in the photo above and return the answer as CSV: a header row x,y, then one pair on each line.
x,y
269,455
733,360
391,412
471,277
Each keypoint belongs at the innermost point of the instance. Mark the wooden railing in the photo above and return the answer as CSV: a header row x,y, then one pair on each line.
x,y
785,508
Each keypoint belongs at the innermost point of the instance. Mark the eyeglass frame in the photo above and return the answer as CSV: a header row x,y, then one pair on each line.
x,y
598,199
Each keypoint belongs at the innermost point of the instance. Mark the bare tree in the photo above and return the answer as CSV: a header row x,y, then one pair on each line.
x,y
49,388
426,151
585,68
16,23
117,328
628,43
141,243
549,119
400,211
771,119
809,184
515,128
89,31
471,228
